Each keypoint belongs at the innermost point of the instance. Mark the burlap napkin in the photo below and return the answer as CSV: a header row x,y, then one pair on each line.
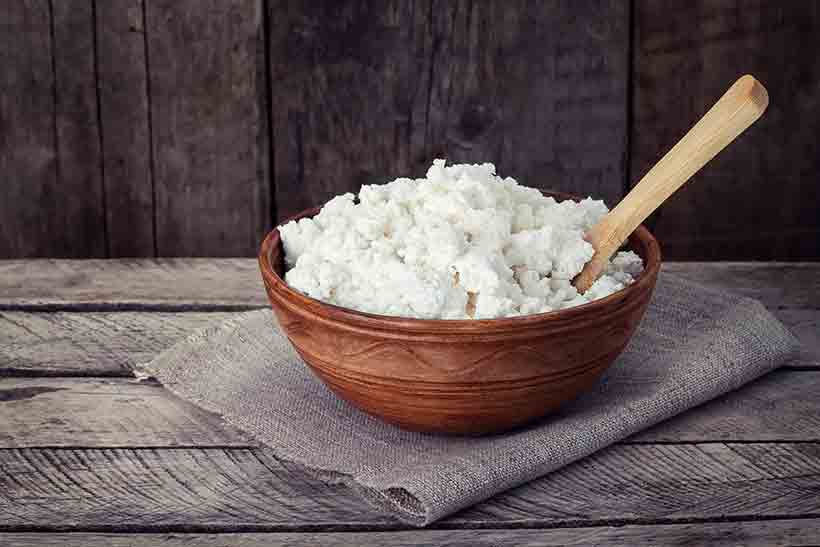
x,y
693,344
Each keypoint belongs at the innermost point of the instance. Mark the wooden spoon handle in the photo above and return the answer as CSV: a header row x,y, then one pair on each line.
x,y
739,107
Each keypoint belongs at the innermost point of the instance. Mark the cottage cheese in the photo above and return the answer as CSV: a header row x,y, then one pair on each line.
x,y
460,243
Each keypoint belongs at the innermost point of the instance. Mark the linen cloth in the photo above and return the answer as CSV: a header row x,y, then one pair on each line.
x,y
694,344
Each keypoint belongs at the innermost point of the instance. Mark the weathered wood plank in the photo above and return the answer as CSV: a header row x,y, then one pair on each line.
x,y
349,96
189,490
784,405
779,285
205,282
96,412
90,344
538,88
104,412
49,144
665,483
79,200
123,92
141,283
686,55
28,160
794,532
208,118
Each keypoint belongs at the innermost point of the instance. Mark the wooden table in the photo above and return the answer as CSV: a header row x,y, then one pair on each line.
x,y
90,455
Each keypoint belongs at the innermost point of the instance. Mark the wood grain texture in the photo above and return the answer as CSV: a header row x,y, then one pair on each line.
x,y
104,412
684,57
49,143
777,285
781,407
169,283
664,483
123,95
28,158
467,376
538,88
165,284
793,532
78,209
183,489
349,91
196,490
209,132
364,93
91,344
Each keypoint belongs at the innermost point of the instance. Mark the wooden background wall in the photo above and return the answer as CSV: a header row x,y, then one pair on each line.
x,y
187,127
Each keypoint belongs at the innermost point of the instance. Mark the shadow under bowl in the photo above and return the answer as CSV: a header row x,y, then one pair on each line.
x,y
473,376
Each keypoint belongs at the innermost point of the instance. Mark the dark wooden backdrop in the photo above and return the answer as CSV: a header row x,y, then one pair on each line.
x,y
187,127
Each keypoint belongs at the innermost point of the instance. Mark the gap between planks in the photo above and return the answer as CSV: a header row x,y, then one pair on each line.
x,y
762,533
342,533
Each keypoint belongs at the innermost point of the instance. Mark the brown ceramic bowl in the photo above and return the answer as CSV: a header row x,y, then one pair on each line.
x,y
459,376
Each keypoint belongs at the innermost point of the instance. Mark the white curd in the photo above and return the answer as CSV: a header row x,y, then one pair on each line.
x,y
460,243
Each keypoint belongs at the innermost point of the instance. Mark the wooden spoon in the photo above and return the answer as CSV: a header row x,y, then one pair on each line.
x,y
739,107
